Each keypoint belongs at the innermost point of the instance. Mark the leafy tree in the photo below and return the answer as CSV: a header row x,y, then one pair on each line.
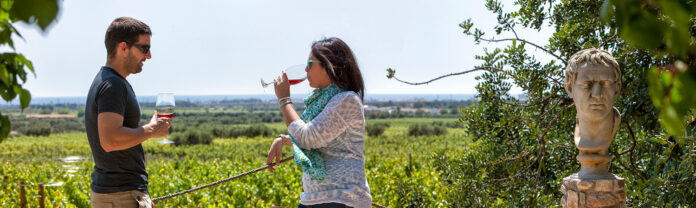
x,y
665,29
14,66
523,149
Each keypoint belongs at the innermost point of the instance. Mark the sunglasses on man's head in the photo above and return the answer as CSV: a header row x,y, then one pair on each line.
x,y
142,47
309,63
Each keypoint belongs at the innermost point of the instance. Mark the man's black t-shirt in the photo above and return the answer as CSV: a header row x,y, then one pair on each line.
x,y
122,170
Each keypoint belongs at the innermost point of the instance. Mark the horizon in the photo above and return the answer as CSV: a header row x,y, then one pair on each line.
x,y
263,97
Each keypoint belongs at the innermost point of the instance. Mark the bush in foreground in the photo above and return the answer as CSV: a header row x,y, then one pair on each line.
x,y
376,129
191,137
426,130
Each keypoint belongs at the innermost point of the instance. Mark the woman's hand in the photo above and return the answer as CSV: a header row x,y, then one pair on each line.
x,y
275,153
282,86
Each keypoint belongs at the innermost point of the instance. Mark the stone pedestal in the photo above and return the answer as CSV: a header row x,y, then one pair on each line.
x,y
606,191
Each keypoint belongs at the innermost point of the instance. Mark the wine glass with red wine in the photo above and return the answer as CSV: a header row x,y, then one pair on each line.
x,y
165,108
296,75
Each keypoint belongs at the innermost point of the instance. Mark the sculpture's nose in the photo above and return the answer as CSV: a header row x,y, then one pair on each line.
x,y
596,90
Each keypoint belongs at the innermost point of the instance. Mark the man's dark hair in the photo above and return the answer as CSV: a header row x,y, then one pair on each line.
x,y
124,29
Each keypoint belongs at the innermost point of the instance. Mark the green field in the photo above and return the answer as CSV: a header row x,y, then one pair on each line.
x,y
176,168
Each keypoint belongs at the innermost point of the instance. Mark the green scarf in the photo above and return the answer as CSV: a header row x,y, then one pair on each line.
x,y
310,160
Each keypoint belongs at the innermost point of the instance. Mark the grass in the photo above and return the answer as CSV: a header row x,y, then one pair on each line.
x,y
176,168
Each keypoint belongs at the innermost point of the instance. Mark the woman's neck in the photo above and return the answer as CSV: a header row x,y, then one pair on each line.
x,y
321,88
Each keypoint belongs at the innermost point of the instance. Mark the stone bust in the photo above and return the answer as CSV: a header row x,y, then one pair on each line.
x,y
593,81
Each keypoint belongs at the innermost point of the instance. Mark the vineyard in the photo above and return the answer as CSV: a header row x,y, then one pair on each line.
x,y
398,167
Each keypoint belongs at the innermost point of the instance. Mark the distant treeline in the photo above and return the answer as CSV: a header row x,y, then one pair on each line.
x,y
221,123
424,103
46,126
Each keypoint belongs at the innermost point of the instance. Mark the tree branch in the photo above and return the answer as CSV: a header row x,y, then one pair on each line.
x,y
607,40
518,174
515,158
541,152
514,32
618,158
533,44
630,155
391,75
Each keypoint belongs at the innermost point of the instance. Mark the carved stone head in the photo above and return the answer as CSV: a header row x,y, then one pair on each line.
x,y
593,80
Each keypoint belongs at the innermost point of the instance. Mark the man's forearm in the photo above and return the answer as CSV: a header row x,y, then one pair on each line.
x,y
125,138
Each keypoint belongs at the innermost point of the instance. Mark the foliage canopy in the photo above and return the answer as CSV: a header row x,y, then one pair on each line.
x,y
14,67
524,148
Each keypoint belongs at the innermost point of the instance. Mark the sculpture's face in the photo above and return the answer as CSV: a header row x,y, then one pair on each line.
x,y
594,91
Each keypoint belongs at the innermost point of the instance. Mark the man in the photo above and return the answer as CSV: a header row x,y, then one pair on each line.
x,y
112,116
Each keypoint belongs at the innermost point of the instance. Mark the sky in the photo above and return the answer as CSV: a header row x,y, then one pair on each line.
x,y
225,47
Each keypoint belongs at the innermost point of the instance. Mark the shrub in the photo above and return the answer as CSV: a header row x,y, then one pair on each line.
x,y
420,129
224,131
191,137
38,130
446,124
258,130
376,129
411,194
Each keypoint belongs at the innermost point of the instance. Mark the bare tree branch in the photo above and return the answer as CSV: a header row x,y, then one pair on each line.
x,y
533,44
607,40
452,74
630,155
514,32
618,158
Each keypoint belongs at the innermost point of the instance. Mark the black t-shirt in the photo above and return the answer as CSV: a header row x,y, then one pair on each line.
x,y
122,170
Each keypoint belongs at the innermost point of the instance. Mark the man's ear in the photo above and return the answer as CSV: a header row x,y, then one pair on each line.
x,y
122,47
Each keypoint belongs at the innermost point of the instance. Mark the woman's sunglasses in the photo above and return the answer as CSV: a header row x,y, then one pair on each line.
x,y
309,63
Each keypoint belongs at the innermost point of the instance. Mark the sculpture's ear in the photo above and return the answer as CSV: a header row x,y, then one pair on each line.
x,y
569,90
617,121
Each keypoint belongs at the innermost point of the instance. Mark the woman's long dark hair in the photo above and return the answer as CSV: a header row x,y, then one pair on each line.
x,y
338,60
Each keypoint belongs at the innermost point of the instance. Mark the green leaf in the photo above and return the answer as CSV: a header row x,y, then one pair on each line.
x,y
5,126
390,73
24,98
8,94
40,12
607,11
6,31
4,75
21,59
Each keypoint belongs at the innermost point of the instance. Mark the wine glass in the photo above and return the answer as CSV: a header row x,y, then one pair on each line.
x,y
165,108
296,74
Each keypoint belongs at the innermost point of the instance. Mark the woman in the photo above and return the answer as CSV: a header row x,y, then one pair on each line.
x,y
329,138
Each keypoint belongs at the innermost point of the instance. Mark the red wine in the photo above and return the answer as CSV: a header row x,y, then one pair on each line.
x,y
169,115
165,111
295,81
